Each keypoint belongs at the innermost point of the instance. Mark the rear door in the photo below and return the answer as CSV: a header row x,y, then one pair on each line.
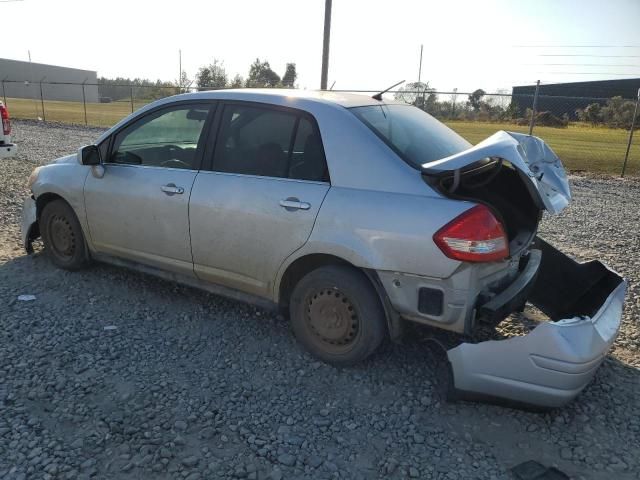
x,y
258,201
139,208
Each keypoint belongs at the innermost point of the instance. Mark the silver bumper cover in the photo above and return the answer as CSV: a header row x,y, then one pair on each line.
x,y
29,220
8,150
551,365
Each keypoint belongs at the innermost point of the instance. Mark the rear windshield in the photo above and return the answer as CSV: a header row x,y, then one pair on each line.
x,y
413,134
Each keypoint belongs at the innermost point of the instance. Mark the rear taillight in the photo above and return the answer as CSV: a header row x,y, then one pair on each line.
x,y
6,123
474,236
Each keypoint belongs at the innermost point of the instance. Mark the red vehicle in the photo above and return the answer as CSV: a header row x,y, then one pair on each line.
x,y
7,149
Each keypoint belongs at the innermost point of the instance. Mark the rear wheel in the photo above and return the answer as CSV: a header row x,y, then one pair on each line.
x,y
62,236
336,314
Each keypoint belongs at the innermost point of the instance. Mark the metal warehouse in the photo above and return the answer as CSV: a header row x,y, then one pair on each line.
x,y
560,98
24,80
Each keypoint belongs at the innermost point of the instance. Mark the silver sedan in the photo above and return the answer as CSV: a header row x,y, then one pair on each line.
x,y
351,215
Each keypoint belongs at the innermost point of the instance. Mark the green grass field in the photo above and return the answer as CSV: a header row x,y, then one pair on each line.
x,y
581,147
98,114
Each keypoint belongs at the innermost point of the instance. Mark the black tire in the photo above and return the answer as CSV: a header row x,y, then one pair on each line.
x,y
62,236
337,315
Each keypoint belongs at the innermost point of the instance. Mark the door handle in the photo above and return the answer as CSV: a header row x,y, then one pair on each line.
x,y
293,203
171,189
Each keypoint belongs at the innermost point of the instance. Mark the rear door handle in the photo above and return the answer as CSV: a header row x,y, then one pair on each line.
x,y
293,203
172,189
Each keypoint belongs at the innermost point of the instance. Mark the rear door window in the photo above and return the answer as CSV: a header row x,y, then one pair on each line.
x,y
263,141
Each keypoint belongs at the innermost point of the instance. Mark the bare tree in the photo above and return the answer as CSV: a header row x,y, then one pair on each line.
x,y
415,93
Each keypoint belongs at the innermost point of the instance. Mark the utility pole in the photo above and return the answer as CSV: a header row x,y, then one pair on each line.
x,y
44,118
84,101
325,45
454,96
420,67
534,108
180,74
633,126
35,103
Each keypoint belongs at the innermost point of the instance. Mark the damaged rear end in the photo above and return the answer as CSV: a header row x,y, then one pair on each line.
x,y
517,177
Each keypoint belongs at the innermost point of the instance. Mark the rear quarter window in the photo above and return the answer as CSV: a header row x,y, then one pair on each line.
x,y
413,134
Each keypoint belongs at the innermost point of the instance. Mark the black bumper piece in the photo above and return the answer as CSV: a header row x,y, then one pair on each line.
x,y
513,297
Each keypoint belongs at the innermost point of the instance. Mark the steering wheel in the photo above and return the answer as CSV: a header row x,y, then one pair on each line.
x,y
173,148
174,162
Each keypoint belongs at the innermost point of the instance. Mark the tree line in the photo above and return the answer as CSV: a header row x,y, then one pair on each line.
x,y
211,76
121,88
477,105
261,75
615,112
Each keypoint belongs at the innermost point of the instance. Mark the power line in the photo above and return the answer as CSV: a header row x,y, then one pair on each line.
x,y
578,65
585,55
591,73
576,46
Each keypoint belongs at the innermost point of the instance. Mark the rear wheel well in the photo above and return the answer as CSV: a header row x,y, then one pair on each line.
x,y
298,269
303,265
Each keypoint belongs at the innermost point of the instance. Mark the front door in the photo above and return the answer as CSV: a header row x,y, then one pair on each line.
x,y
260,199
139,209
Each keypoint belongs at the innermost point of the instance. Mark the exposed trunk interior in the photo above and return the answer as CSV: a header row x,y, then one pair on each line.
x,y
498,185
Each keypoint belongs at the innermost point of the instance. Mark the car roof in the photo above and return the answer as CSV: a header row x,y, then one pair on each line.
x,y
311,101
286,95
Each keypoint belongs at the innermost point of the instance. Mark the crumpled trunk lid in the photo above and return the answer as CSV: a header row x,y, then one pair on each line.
x,y
541,169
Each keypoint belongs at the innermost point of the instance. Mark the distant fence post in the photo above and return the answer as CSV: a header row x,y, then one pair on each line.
x,y
453,103
84,102
534,108
633,126
131,93
44,118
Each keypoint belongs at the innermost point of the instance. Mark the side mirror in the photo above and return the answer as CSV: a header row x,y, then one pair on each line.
x,y
90,155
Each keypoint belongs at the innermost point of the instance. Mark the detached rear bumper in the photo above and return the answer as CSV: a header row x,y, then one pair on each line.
x,y
552,364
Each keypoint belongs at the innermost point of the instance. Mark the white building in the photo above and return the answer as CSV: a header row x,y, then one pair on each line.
x,y
22,80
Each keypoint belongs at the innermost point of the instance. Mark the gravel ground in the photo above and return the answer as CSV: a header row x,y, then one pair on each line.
x,y
113,374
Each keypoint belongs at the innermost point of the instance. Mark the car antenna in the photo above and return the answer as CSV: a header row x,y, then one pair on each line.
x,y
378,96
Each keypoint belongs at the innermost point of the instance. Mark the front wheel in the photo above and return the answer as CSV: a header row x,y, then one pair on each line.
x,y
337,315
62,236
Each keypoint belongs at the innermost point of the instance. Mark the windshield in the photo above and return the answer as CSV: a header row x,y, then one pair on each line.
x,y
413,134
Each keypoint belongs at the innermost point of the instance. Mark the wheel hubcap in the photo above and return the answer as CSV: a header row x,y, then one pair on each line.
x,y
62,237
332,318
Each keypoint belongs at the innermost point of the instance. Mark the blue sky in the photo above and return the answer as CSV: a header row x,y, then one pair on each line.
x,y
467,44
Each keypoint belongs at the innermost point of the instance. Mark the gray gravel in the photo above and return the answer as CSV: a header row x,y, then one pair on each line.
x,y
113,374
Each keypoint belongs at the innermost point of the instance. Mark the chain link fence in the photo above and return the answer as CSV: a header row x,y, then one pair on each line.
x,y
594,134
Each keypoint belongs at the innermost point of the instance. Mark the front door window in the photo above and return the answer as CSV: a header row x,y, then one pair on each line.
x,y
167,138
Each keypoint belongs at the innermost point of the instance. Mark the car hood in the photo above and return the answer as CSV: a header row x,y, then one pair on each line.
x,y
531,156
73,158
